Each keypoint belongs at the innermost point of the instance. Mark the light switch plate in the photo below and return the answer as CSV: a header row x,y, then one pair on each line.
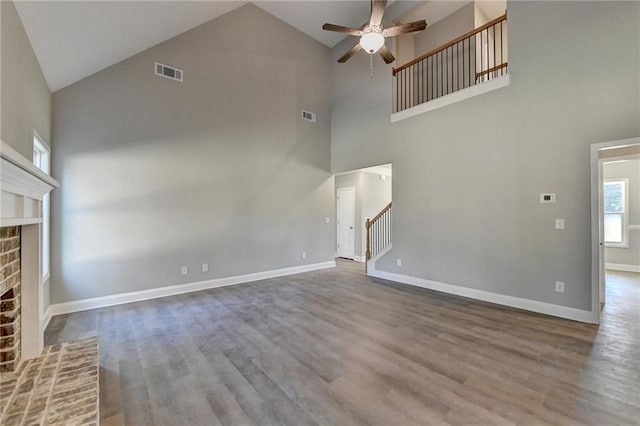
x,y
559,223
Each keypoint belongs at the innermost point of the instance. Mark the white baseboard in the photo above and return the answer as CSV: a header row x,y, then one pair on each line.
x,y
47,318
622,267
154,293
500,299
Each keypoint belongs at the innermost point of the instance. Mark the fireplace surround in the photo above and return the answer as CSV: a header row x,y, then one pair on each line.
x,y
22,187
9,298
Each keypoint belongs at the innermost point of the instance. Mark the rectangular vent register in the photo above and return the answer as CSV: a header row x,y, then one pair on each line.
x,y
168,72
309,116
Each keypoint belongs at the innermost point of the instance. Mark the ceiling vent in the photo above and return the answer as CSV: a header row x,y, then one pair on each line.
x,y
168,72
309,116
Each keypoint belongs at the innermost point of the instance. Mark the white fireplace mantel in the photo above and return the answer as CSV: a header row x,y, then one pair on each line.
x,y
23,185
22,188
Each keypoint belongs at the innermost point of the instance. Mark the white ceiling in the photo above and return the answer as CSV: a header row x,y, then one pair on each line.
x,y
74,39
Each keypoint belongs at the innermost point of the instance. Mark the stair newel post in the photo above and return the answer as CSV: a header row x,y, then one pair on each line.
x,y
367,225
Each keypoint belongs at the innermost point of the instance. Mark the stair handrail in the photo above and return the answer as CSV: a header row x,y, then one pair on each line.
x,y
451,43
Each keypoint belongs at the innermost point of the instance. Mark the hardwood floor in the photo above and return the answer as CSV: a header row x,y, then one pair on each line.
x,y
336,347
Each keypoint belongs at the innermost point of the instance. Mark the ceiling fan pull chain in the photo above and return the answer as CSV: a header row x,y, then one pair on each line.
x,y
371,65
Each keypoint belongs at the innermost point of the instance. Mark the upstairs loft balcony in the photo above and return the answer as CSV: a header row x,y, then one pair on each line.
x,y
469,65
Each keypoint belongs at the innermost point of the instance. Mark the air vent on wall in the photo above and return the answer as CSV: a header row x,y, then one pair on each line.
x,y
309,116
168,72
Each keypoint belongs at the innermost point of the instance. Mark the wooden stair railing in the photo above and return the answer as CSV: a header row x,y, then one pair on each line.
x,y
475,57
378,233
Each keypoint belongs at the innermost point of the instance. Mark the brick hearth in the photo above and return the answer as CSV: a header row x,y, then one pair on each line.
x,y
60,387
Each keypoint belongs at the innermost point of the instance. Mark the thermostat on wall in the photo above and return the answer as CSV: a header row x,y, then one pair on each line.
x,y
548,198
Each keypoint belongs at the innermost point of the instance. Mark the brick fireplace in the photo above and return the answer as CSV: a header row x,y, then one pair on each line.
x,y
22,187
9,298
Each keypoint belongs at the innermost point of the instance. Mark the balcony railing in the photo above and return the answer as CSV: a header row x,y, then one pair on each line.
x,y
471,59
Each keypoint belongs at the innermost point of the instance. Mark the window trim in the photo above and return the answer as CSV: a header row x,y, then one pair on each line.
x,y
42,147
625,214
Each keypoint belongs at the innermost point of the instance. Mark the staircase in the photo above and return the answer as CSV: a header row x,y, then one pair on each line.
x,y
378,235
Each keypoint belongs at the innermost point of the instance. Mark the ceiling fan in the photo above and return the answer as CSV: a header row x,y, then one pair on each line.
x,y
372,34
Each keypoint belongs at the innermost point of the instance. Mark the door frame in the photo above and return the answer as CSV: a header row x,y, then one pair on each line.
x,y
338,236
597,224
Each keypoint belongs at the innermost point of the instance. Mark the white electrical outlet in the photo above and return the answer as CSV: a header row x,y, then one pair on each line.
x,y
327,220
304,254
205,267
560,286
559,223
184,270
399,262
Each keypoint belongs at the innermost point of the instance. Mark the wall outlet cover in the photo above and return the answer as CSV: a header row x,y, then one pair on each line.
x,y
560,286
399,262
184,270
205,267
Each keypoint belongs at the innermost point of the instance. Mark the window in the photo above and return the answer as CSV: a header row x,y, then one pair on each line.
x,y
615,212
41,161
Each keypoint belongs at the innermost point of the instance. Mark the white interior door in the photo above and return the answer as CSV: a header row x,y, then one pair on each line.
x,y
346,204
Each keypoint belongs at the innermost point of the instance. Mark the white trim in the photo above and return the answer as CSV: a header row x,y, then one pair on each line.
x,y
597,255
622,267
20,222
371,263
154,293
358,258
460,95
46,319
500,299
12,156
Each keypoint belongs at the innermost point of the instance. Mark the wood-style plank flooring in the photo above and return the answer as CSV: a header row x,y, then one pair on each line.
x,y
336,347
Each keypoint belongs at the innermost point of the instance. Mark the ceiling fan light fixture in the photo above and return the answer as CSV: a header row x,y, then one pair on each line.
x,y
372,41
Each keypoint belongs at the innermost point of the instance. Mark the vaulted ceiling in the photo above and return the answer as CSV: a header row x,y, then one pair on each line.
x,y
74,39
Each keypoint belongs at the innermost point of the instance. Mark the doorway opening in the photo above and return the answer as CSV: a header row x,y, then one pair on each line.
x,y
615,192
360,196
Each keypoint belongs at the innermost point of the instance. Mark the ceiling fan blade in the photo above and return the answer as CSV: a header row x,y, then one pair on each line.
x,y
405,28
341,29
355,49
377,12
386,55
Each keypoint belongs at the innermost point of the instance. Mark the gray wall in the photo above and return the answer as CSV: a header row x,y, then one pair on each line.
x,y
24,94
467,177
630,170
372,195
220,169
26,99
445,30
